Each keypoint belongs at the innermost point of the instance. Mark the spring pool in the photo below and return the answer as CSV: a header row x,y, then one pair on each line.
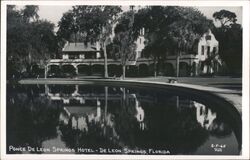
x,y
112,119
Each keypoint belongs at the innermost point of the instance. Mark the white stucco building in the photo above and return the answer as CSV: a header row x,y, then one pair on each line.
x,y
140,43
87,59
205,59
208,48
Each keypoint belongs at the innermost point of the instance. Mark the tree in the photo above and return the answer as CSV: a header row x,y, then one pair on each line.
x,y
184,32
28,42
170,29
229,35
30,13
67,26
225,17
153,20
124,40
94,22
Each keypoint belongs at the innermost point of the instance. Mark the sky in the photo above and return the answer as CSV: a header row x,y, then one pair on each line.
x,y
54,13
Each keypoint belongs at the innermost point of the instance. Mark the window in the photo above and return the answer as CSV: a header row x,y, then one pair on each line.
x,y
82,56
140,40
143,31
142,54
71,56
208,50
65,56
139,54
202,50
214,50
208,37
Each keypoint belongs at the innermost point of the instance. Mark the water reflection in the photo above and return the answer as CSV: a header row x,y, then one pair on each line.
x,y
73,116
204,116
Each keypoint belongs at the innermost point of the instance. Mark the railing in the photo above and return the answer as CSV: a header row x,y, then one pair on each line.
x,y
97,61
79,60
118,61
184,56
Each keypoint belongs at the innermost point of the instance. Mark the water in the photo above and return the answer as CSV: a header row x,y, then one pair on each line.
x,y
88,119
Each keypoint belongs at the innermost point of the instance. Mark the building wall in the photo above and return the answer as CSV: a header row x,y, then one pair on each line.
x,y
140,43
208,57
65,56
189,64
207,45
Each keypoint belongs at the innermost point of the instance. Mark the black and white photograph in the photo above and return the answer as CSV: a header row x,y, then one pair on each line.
x,y
129,80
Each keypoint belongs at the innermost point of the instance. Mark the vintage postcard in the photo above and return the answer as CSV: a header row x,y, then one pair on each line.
x,y
124,80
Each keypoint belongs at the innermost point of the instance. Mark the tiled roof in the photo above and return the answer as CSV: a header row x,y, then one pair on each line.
x,y
79,47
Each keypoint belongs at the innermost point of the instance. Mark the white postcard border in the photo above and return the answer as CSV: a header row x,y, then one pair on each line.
x,y
245,78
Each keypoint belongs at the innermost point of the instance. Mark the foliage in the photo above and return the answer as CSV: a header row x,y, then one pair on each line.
x,y
124,41
225,17
170,30
66,26
93,22
96,21
229,34
189,27
179,25
30,13
28,42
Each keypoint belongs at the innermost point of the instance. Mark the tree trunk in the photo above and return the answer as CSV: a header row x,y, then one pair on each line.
x,y
75,39
177,64
105,61
158,66
45,71
29,56
155,72
123,71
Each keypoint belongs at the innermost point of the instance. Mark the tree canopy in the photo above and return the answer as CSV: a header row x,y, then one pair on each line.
x,y
229,35
30,13
181,25
225,17
170,29
29,39
93,22
124,42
